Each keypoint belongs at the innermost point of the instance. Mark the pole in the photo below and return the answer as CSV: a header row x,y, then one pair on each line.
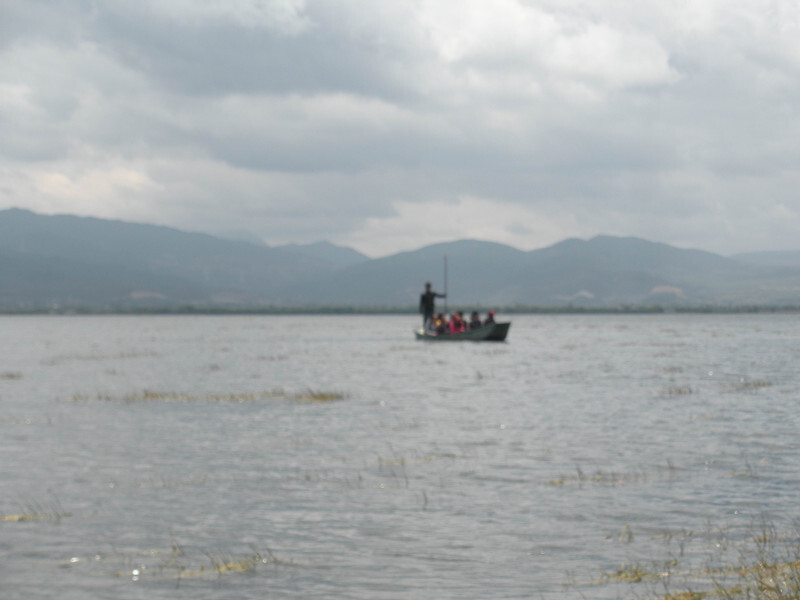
x,y
445,283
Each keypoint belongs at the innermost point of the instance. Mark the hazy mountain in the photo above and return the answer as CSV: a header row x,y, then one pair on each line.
x,y
610,271
239,235
34,280
339,256
94,261
604,271
67,260
474,270
789,258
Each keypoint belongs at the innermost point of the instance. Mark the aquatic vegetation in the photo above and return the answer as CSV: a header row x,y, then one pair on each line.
x,y
744,385
600,477
626,535
37,511
10,375
273,358
394,469
317,396
765,566
8,420
223,564
172,482
686,596
747,472
155,396
635,573
420,458
151,396
682,390
177,564
63,358
670,535
19,518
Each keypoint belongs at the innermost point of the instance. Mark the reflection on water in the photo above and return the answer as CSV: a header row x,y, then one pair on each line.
x,y
210,457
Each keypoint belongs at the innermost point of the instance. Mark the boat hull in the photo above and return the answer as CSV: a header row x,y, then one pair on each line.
x,y
496,332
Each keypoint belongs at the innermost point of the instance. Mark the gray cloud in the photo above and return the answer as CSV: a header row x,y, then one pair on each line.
x,y
322,119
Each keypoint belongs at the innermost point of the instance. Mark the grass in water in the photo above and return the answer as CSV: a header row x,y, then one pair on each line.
x,y
635,573
599,477
155,396
318,396
175,564
681,390
37,511
767,568
745,385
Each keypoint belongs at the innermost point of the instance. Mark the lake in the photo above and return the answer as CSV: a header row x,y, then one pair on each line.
x,y
589,456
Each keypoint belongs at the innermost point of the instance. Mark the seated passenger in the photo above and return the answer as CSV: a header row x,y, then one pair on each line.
x,y
475,320
457,323
489,318
440,324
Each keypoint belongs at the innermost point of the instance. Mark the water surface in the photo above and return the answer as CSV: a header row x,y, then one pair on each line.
x,y
334,456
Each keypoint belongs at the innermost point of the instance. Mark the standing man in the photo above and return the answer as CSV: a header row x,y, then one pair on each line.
x,y
426,304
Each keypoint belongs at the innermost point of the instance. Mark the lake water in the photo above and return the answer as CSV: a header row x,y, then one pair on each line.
x,y
336,457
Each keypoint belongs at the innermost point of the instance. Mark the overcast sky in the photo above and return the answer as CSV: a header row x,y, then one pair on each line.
x,y
390,124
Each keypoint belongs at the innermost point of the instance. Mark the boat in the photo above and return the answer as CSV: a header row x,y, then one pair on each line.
x,y
494,332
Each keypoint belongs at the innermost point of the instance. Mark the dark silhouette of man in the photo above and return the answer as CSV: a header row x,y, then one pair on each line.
x,y
427,301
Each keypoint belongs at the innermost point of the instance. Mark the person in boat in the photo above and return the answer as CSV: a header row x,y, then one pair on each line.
x,y
440,325
475,320
427,301
489,318
457,323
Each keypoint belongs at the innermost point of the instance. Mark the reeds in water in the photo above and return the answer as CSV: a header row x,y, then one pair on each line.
x,y
33,510
148,396
767,568
178,565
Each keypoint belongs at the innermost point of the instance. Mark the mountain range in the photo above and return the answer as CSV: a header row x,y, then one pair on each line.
x,y
69,261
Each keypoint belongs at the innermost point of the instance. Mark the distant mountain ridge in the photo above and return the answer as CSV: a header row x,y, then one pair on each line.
x,y
64,260
121,262
328,252
771,258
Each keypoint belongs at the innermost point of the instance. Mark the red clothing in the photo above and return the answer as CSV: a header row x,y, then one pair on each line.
x,y
457,325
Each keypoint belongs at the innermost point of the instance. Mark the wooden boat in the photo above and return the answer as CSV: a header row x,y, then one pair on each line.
x,y
496,332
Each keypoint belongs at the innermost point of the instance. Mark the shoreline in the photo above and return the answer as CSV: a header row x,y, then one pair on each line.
x,y
338,310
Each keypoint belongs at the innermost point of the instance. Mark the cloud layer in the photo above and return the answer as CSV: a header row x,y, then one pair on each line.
x,y
388,125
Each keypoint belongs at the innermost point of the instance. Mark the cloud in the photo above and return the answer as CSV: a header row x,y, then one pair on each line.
x,y
285,17
314,119
507,42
